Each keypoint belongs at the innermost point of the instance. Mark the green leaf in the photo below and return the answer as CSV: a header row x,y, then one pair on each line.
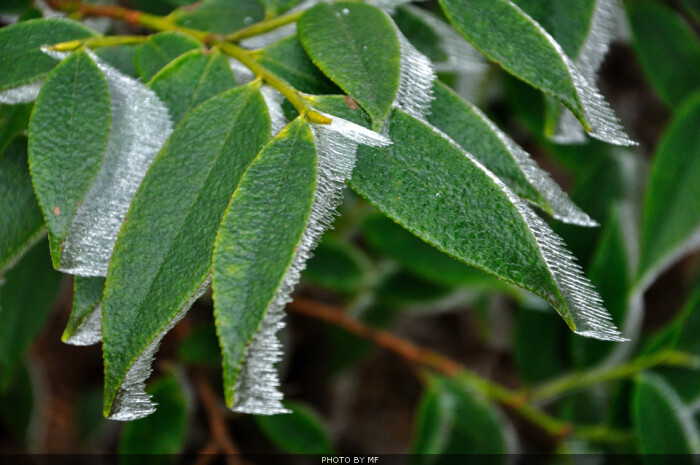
x,y
408,293
299,432
85,323
252,255
453,419
14,6
478,135
275,7
418,31
201,347
357,47
162,258
21,59
662,423
14,120
221,16
121,57
159,50
191,79
18,405
667,48
540,345
68,136
671,218
158,7
162,434
424,260
26,296
466,212
22,224
287,59
337,265
527,51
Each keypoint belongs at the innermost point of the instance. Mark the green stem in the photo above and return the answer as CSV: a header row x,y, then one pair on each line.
x,y
264,26
290,93
97,42
577,381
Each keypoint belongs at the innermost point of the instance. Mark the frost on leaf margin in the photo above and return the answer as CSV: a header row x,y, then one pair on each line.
x,y
140,126
257,387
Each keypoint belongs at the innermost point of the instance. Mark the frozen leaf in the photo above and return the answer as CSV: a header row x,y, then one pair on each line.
x,y
84,327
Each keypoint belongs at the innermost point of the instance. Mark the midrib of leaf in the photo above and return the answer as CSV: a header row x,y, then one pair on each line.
x,y
169,251
210,61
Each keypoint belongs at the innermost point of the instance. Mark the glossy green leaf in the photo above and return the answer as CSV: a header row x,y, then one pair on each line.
x,y
469,214
453,419
299,432
671,218
191,79
287,59
337,265
21,59
121,57
162,434
162,258
540,345
159,50
527,51
424,260
68,136
357,47
478,135
661,422
26,296
258,238
22,224
221,16
14,120
85,323
668,50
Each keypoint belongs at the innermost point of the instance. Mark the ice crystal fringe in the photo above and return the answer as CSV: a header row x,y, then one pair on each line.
x,y
131,401
600,35
584,303
605,125
273,100
416,83
140,126
564,209
89,331
257,387
25,93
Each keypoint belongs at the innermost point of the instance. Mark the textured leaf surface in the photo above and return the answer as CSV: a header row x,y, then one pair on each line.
x,y
21,58
357,47
159,50
22,224
527,51
671,219
26,296
163,255
221,16
663,425
258,238
163,432
300,432
452,419
668,50
68,136
466,212
85,323
191,79
287,59
121,57
478,135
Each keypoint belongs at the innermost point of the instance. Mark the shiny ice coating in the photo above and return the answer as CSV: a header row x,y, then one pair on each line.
x,y
416,82
140,126
90,330
25,93
601,33
584,303
131,401
257,387
273,100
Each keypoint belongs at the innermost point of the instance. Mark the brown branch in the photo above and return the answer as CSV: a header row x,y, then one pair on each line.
x,y
220,442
